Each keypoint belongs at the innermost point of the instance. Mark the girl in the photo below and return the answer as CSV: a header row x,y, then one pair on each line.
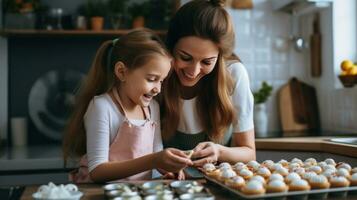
x,y
208,102
115,126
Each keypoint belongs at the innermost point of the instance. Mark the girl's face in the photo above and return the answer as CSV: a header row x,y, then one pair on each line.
x,y
143,83
195,57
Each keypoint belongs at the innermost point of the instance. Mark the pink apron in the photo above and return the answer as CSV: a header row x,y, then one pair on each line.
x,y
131,141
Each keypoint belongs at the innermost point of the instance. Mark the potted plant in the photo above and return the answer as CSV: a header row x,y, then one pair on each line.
x,y
138,12
117,10
95,10
160,13
260,115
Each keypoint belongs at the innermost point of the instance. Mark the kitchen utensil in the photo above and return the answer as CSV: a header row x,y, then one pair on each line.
x,y
19,131
299,42
289,126
315,48
298,108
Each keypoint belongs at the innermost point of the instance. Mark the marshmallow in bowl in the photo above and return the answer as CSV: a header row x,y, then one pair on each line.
x,y
51,191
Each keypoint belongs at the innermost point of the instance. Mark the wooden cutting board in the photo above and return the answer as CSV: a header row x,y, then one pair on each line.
x,y
298,108
289,125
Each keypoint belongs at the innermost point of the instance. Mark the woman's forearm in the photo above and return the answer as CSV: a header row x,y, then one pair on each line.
x,y
110,171
236,154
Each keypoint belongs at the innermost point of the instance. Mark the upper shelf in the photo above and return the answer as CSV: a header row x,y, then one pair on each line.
x,y
35,33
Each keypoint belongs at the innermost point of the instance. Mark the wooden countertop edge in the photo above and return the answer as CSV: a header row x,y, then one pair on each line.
x,y
306,144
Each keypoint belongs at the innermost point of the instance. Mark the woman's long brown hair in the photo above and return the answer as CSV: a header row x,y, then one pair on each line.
x,y
207,20
134,50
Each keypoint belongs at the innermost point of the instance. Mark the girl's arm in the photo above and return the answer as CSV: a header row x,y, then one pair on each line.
x,y
242,149
169,159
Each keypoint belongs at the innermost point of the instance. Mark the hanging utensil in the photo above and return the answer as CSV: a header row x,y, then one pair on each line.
x,y
298,41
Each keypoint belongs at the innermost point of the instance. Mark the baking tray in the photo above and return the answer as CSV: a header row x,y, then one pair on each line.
x,y
320,193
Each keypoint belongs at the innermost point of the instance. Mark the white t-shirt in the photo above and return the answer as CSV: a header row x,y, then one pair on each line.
x,y
102,120
242,99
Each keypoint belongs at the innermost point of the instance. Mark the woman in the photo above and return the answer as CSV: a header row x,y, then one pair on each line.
x,y
208,104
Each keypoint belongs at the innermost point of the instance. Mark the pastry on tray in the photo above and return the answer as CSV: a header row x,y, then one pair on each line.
x,y
354,179
299,185
236,182
254,178
253,187
339,181
319,182
277,186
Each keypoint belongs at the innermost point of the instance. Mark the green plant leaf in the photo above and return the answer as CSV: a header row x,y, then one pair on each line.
x,y
263,93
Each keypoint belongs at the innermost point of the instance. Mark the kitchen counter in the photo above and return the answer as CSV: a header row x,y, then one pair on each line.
x,y
95,192
50,157
32,158
311,144
33,165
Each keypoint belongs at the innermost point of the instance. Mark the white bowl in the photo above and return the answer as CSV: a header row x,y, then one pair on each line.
x,y
75,195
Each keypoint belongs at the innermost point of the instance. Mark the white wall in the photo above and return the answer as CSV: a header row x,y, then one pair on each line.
x,y
256,31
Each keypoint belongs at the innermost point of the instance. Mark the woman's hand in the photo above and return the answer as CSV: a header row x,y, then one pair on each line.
x,y
206,152
172,160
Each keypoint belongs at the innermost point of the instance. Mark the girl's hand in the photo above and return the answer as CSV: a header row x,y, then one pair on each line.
x,y
206,152
172,160
181,175
169,175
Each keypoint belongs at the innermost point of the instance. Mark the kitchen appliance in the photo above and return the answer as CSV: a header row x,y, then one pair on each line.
x,y
298,108
51,99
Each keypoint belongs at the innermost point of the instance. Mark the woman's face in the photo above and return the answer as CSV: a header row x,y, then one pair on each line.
x,y
194,58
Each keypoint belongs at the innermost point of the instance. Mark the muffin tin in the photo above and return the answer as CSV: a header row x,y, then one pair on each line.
x,y
222,175
155,190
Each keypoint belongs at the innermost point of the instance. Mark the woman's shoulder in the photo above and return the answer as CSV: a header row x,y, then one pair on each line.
x,y
236,67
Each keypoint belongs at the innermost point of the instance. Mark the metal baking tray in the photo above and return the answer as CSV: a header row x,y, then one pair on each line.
x,y
338,191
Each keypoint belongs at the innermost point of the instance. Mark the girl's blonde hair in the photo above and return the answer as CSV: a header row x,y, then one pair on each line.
x,y
134,50
208,20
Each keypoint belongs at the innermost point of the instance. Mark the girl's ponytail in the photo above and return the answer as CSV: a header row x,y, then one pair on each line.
x,y
98,81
